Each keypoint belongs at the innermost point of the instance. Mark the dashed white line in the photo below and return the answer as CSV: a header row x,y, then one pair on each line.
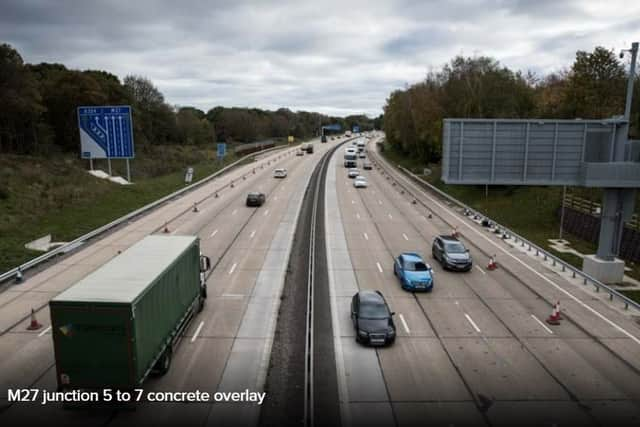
x,y
358,215
390,217
214,233
44,332
253,233
233,295
275,198
480,269
379,267
266,212
234,212
379,202
404,323
233,268
405,236
366,236
472,323
542,324
353,202
195,334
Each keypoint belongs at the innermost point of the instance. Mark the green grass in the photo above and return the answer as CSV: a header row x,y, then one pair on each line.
x,y
528,211
634,295
55,195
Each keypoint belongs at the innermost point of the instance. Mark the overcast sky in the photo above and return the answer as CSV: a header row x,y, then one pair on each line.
x,y
337,57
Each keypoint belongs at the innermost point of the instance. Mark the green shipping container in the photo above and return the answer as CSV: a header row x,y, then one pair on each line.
x,y
111,327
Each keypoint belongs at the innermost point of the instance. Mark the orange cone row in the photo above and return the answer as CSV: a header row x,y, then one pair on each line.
x,y
492,265
555,317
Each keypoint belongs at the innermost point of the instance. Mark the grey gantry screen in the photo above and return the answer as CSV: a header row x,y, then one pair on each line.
x,y
524,152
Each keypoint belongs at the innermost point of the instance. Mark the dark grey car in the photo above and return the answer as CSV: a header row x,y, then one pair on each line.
x,y
372,319
256,199
451,253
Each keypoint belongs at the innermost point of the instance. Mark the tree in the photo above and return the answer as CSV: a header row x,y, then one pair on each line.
x,y
596,85
21,104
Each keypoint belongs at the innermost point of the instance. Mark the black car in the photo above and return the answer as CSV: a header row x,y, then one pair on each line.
x,y
256,199
372,319
451,253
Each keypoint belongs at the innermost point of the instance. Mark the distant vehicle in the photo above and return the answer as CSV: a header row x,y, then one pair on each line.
x,y
362,155
280,173
372,319
360,182
308,147
124,320
333,138
300,152
413,272
350,158
347,134
451,253
256,199
367,165
353,172
361,144
323,138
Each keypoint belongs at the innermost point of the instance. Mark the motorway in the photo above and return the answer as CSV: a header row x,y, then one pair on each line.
x,y
475,351
226,347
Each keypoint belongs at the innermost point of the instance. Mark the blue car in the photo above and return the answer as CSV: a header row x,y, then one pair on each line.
x,y
413,272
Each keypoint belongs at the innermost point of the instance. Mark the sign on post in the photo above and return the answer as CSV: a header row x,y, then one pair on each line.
x,y
290,139
222,150
188,176
106,132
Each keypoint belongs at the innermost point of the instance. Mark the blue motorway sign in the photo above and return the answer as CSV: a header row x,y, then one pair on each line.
x,y
222,149
106,132
335,127
356,129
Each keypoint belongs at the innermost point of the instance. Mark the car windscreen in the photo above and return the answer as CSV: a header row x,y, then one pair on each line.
x,y
373,311
454,248
416,266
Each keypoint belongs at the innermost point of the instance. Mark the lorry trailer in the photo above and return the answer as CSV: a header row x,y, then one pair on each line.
x,y
122,322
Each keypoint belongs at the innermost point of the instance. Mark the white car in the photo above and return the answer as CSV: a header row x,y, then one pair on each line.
x,y
360,182
280,173
353,172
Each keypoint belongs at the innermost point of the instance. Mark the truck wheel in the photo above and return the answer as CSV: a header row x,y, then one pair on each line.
x,y
204,291
164,363
200,304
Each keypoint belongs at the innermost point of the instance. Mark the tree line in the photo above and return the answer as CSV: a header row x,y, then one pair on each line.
x,y
39,105
594,87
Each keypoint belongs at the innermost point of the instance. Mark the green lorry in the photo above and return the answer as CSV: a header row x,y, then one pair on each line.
x,y
121,322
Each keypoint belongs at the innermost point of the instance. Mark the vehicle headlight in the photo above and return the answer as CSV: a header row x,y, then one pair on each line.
x,y
362,333
392,332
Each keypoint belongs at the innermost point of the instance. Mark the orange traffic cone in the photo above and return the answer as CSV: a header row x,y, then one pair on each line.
x,y
454,232
554,318
166,227
34,325
492,263
558,310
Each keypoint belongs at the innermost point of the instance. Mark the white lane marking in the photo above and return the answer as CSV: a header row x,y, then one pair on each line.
x,y
353,202
234,212
480,269
543,277
366,236
379,202
44,332
275,198
233,268
389,215
404,323
379,267
214,233
472,323
195,334
266,212
253,233
233,295
358,215
405,236
542,324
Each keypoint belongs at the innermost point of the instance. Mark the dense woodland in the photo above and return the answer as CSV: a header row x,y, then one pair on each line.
x,y
38,111
479,87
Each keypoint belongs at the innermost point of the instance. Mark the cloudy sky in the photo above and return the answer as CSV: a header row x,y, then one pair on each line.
x,y
337,57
